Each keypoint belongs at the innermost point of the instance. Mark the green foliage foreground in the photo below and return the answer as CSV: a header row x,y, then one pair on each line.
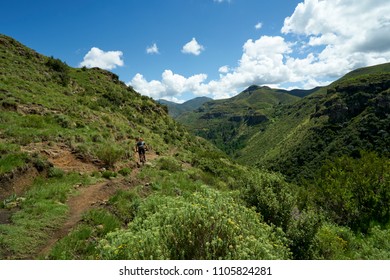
x,y
355,192
193,202
203,225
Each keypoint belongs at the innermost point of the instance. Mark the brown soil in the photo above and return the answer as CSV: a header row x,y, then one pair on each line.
x,y
61,157
17,182
86,198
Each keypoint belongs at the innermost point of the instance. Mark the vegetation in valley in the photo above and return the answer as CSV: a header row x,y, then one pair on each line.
x,y
230,123
311,180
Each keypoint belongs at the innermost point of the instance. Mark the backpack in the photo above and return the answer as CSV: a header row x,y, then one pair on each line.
x,y
141,145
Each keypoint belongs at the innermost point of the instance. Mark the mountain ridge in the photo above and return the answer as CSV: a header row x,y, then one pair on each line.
x,y
352,112
71,186
176,109
228,123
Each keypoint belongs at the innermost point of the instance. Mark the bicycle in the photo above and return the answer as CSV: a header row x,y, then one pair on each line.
x,y
142,158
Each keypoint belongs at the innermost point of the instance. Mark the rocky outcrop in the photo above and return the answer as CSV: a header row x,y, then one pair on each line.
x,y
348,100
250,120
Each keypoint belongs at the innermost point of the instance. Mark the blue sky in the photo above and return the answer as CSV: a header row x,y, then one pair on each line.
x,y
179,49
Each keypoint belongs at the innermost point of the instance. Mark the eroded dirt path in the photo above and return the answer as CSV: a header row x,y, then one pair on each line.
x,y
86,197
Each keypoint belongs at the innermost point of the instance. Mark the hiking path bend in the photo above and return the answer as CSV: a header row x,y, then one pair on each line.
x,y
86,197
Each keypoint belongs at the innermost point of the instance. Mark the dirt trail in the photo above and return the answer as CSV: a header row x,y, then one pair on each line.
x,y
88,196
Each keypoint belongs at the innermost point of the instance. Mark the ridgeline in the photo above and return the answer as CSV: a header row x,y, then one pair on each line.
x,y
314,183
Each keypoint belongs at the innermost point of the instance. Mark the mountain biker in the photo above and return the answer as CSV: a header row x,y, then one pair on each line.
x,y
141,147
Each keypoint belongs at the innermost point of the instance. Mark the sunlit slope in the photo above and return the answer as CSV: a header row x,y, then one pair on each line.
x,y
348,116
230,122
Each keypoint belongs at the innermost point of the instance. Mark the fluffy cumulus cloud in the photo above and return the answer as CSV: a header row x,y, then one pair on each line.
x,y
153,49
319,42
349,34
171,85
105,60
192,47
261,63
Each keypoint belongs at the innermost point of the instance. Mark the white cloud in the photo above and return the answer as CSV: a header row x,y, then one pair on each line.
x,y
326,39
153,49
224,69
153,88
105,60
258,25
192,47
261,63
352,33
171,85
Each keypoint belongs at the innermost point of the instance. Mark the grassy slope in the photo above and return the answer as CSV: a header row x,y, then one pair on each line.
x,y
192,202
229,123
92,113
349,115
89,111
92,108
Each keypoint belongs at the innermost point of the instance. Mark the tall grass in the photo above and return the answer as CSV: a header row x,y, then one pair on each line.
x,y
10,162
81,243
42,211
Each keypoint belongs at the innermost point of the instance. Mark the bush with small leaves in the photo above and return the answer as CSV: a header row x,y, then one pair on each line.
x,y
203,225
355,191
110,153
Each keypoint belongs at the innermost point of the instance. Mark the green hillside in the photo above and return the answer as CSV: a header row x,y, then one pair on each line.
x,y
348,116
71,186
231,122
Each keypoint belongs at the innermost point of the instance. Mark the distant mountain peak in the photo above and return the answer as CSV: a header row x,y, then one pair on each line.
x,y
252,88
176,109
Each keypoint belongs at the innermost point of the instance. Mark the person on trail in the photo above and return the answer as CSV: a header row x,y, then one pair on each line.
x,y
141,148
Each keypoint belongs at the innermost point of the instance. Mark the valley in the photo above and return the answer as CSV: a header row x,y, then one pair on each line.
x,y
267,174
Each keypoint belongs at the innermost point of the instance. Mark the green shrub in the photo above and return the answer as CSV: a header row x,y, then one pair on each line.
x,y
63,120
61,70
168,163
110,153
301,232
125,205
332,242
83,150
33,121
8,148
355,192
79,244
204,225
272,197
40,163
277,201
373,246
